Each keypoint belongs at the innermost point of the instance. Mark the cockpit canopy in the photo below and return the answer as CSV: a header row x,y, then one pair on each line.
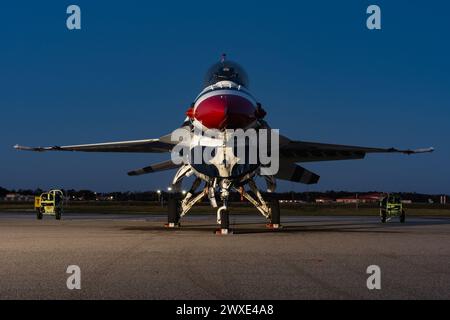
x,y
226,70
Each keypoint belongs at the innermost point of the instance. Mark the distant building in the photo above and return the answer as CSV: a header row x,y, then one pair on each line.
x,y
10,197
371,197
104,198
324,200
18,197
347,200
364,198
292,201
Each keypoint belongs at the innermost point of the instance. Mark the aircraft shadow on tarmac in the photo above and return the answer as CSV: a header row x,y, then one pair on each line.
x,y
253,228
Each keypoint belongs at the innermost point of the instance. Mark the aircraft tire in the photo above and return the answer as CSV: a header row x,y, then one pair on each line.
x,y
173,211
402,216
275,208
58,214
383,216
224,219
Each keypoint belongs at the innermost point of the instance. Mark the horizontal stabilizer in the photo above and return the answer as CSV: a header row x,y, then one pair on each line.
x,y
293,172
298,174
162,166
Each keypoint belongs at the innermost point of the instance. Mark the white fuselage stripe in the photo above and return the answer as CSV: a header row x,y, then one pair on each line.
x,y
223,92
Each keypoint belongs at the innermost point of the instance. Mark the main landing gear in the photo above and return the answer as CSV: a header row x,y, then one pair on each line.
x,y
173,213
178,208
275,215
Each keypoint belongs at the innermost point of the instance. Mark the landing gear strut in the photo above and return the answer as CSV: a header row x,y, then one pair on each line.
x,y
270,211
223,213
178,208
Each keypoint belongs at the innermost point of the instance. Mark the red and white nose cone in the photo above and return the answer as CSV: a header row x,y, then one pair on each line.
x,y
225,111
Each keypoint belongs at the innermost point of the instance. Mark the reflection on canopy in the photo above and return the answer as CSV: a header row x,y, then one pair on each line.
x,y
226,70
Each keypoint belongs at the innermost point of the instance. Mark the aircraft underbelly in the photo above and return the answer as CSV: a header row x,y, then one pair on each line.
x,y
222,162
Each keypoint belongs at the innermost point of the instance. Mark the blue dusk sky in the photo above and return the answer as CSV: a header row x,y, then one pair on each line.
x,y
135,66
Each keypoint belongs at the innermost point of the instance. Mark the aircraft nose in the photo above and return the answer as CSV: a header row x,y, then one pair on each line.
x,y
225,112
212,112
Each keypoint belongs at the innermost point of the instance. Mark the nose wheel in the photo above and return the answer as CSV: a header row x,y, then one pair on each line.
x,y
223,220
223,213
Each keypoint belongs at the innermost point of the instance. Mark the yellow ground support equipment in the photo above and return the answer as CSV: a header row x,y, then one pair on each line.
x,y
49,203
392,206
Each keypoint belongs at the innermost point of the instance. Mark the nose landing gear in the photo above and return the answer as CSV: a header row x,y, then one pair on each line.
x,y
223,213
223,220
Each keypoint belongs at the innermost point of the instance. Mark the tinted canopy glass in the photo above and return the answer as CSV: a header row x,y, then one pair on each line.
x,y
226,70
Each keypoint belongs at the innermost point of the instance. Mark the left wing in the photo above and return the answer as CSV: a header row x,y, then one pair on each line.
x,y
163,144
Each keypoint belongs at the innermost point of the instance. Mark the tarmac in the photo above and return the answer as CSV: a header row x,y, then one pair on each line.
x,y
133,256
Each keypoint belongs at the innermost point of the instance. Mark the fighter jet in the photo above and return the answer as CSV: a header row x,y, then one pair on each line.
x,y
226,106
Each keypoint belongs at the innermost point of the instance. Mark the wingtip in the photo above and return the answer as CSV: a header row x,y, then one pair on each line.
x,y
416,151
425,150
19,147
25,148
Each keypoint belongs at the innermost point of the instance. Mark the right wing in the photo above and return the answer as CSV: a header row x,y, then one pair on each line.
x,y
302,151
163,144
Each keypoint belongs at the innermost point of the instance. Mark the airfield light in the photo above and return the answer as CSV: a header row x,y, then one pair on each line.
x,y
158,192
169,188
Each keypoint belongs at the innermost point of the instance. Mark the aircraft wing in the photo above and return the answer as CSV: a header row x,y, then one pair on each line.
x,y
163,144
302,151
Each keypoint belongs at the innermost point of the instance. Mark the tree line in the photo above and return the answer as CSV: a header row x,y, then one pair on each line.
x,y
89,195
